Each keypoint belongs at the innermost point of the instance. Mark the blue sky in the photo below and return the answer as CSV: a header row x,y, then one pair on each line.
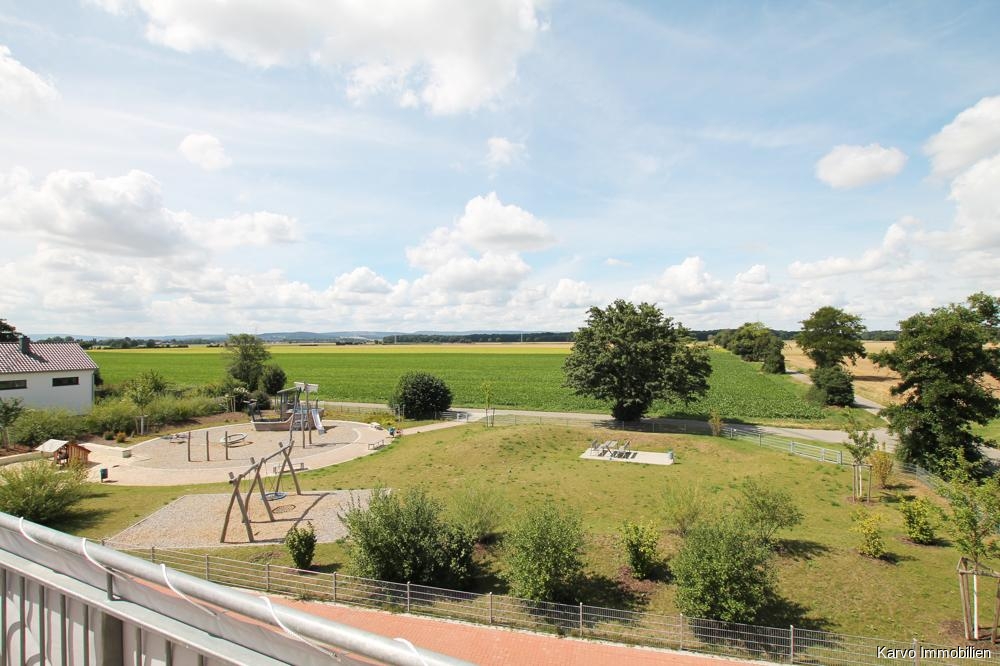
x,y
186,166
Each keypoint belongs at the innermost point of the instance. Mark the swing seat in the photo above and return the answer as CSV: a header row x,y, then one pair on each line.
x,y
277,495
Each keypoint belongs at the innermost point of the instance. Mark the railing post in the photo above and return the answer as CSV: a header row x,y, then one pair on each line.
x,y
491,608
682,632
334,585
791,643
152,554
207,570
916,652
267,577
581,619
407,596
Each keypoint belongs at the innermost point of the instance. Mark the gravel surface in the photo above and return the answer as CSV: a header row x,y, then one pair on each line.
x,y
195,521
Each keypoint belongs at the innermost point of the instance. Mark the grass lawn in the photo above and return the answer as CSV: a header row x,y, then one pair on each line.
x,y
823,582
522,377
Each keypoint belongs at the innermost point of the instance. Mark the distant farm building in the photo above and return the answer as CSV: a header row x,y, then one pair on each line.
x,y
58,374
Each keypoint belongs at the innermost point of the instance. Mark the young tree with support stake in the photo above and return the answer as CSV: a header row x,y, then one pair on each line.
x,y
630,355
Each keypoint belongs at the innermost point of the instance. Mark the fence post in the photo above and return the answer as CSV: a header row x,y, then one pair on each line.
x,y
207,571
334,585
682,632
791,447
916,652
791,643
491,608
760,439
581,619
267,577
407,596
152,554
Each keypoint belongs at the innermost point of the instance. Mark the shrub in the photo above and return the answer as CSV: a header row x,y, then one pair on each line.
x,y
919,520
401,537
832,386
774,359
867,524
478,511
420,395
10,411
715,423
541,554
882,464
40,492
112,415
272,380
301,545
120,437
166,409
34,426
723,573
685,505
765,510
639,541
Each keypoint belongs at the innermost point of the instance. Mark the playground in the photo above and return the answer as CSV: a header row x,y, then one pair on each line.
x,y
208,455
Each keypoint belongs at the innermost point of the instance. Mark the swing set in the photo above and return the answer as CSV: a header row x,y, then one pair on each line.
x,y
242,499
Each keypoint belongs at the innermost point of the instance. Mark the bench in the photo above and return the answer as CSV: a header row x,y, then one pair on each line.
x,y
376,444
297,465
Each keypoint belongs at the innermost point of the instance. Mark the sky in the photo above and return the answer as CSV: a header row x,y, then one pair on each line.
x,y
173,167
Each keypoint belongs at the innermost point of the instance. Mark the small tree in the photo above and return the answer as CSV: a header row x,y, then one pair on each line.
x,y
774,358
833,386
639,543
142,391
272,379
39,492
9,411
765,510
301,545
541,554
715,423
919,520
246,357
882,464
860,443
723,572
420,395
868,524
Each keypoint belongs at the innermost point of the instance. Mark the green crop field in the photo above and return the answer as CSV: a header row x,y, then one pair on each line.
x,y
521,376
823,582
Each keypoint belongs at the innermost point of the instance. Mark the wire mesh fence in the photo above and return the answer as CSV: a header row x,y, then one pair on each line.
x,y
790,645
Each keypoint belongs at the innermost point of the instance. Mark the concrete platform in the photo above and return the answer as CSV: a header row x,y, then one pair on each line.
x,y
642,457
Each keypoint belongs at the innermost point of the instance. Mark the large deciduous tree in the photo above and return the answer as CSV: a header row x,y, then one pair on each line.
x,y
831,335
943,359
247,355
630,355
7,332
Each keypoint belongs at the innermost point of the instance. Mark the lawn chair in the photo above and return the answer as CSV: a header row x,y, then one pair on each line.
x,y
605,448
594,446
625,451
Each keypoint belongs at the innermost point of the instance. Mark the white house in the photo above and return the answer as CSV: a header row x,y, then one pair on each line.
x,y
58,374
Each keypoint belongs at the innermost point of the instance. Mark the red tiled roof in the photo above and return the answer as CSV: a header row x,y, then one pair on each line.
x,y
44,357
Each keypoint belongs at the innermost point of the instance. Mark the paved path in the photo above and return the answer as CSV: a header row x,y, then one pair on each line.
x,y
495,646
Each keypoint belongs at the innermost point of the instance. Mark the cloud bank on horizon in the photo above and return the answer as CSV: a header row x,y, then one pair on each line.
x,y
183,167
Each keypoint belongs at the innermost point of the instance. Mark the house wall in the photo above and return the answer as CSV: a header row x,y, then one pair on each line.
x,y
40,392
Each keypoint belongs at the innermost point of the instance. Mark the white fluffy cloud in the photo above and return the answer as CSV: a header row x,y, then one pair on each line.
x,y
447,55
846,167
571,294
204,150
20,88
685,283
894,249
489,224
125,215
501,152
971,136
976,194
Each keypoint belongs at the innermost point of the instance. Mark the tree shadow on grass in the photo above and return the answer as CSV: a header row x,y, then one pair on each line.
x,y
782,612
77,520
801,549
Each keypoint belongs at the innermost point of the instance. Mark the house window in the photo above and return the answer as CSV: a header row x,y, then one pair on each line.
x,y
11,384
65,381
